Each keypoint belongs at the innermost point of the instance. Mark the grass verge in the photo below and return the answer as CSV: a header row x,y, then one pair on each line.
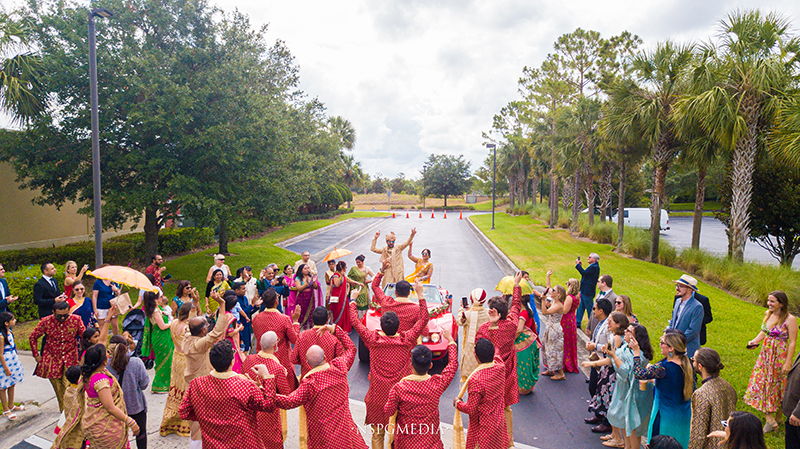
x,y
650,287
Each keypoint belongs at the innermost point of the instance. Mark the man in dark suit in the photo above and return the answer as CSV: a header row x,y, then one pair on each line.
x,y
791,405
589,278
5,292
46,291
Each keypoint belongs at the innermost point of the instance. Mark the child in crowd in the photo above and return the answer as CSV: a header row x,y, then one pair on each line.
x,y
12,372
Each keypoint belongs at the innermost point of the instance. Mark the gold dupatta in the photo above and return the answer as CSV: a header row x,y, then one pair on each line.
x,y
303,437
393,419
459,441
284,428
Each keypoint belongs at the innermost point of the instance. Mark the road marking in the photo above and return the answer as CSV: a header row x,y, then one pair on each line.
x,y
38,441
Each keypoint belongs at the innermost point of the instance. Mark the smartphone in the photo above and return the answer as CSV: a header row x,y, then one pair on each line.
x,y
749,346
464,304
579,258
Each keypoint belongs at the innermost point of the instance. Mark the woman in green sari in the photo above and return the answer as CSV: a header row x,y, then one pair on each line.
x,y
158,338
527,348
362,274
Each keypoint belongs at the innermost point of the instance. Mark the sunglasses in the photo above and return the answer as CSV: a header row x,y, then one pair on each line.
x,y
390,241
63,317
618,302
724,423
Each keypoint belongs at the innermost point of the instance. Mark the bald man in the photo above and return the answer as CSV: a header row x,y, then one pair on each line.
x,y
324,393
271,425
392,253
197,342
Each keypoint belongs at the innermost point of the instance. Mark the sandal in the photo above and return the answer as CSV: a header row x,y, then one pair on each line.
x,y
11,416
18,408
613,443
606,437
770,427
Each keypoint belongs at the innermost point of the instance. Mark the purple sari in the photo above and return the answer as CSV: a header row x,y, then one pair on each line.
x,y
308,299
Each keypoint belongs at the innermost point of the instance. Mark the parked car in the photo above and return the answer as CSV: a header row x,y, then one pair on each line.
x,y
639,217
440,310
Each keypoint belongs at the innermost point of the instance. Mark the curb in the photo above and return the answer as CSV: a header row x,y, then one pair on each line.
x,y
503,262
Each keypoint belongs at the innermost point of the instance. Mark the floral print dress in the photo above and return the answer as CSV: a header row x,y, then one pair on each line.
x,y
553,340
765,390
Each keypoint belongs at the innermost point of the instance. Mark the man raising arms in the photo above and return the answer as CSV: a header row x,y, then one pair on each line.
x,y
393,254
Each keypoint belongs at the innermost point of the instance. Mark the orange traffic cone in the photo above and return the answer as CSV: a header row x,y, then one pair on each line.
x,y
461,215
407,214
393,216
420,214
431,213
445,215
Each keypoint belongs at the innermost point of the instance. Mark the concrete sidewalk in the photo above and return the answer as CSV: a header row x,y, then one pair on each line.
x,y
35,426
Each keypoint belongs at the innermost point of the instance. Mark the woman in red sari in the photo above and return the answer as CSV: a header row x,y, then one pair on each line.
x,y
570,327
339,297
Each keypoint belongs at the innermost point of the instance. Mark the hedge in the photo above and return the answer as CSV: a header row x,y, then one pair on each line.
x,y
120,250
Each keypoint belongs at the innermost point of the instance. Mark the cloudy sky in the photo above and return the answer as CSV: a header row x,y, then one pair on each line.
x,y
418,77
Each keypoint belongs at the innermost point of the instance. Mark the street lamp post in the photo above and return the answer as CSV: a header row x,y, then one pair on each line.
x,y
494,171
98,221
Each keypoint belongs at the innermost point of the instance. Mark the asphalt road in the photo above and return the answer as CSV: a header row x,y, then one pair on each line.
x,y
551,417
714,239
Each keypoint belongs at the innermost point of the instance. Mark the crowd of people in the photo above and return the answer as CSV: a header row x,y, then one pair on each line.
x,y
233,361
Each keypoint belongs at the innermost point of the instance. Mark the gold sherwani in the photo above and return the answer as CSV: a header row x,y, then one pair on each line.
x,y
394,273
476,315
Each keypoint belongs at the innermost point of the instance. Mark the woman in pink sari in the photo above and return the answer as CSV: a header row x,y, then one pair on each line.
x,y
232,332
306,292
339,298
570,327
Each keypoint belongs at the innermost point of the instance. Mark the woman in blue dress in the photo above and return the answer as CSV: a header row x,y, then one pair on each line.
x,y
81,306
672,405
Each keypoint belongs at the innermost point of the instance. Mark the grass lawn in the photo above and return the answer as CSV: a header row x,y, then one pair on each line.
x,y
650,287
690,214
683,207
257,253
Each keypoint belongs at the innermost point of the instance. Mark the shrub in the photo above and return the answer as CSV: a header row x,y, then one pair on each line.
x,y
636,242
667,254
564,220
329,214
604,232
21,284
541,212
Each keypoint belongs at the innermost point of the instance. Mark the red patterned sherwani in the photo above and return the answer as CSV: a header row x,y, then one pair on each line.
x,y
273,320
406,309
310,337
270,427
415,399
61,347
324,392
487,423
389,361
502,334
226,406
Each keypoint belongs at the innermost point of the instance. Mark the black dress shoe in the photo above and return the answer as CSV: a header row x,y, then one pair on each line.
x,y
602,428
595,420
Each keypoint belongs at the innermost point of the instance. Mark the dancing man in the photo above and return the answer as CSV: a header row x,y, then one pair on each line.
x,y
393,254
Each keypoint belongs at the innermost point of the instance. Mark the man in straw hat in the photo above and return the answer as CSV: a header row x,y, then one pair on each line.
x,y
393,272
471,319
687,313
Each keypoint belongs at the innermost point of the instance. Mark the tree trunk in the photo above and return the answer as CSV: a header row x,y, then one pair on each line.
x,y
512,187
576,200
568,193
445,201
590,197
699,201
605,189
151,228
621,204
553,189
659,179
744,164
223,235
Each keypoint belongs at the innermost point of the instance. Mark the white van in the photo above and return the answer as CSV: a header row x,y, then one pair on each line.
x,y
639,217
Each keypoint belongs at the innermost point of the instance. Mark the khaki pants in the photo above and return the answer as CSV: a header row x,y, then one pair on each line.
x,y
194,431
60,386
509,425
378,436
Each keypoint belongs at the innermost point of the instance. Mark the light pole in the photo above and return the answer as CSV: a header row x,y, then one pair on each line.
x,y
98,219
494,171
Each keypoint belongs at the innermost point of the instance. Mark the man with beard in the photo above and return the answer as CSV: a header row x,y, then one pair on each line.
x,y
394,254
156,269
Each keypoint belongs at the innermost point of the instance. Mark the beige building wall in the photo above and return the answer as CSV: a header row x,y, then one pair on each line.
x,y
26,225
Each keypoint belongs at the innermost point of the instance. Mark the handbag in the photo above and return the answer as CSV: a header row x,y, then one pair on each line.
x,y
334,300
123,303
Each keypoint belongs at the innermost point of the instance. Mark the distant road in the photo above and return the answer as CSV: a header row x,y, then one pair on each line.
x,y
714,239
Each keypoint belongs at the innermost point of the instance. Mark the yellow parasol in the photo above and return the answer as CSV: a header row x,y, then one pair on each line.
x,y
337,253
506,286
123,275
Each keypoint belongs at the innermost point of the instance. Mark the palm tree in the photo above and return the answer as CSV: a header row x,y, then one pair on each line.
x,y
645,104
740,85
343,129
20,91
352,174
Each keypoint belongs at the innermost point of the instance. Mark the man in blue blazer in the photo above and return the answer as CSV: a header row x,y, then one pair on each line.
x,y
687,313
589,277
5,292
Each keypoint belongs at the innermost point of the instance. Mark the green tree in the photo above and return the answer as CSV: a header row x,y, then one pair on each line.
x,y
739,86
446,175
344,131
775,211
352,174
20,88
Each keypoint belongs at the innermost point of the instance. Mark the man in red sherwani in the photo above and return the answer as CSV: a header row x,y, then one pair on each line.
x,y
486,389
319,336
324,392
286,328
271,425
226,403
406,309
390,361
62,331
501,330
415,399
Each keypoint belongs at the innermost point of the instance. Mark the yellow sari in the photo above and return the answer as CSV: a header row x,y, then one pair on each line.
x,y
421,267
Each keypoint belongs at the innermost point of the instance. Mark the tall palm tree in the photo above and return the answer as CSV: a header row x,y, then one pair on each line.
x,y
20,91
352,174
741,84
343,129
645,103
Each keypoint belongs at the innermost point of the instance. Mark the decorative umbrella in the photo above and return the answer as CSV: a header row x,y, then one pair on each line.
x,y
337,253
123,275
506,286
